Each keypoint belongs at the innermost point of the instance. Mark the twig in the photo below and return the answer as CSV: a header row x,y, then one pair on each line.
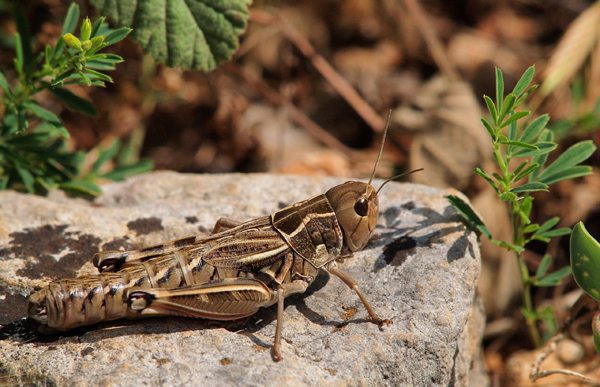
x,y
536,374
438,53
339,83
296,114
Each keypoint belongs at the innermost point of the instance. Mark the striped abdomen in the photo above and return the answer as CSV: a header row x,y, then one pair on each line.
x,y
71,303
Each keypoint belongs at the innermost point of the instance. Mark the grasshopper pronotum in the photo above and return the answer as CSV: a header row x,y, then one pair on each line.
x,y
227,275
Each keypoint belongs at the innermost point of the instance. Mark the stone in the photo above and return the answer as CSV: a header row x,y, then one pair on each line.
x,y
420,270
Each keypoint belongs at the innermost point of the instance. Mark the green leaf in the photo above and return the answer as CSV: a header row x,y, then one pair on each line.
x,y
542,149
190,34
585,260
488,126
4,83
81,187
73,101
42,113
526,206
524,82
106,155
525,172
46,185
97,25
491,107
99,65
117,35
508,196
546,136
125,171
62,77
512,131
25,35
519,168
544,265
19,54
508,246
576,154
532,227
467,213
487,177
69,25
71,19
533,130
96,75
97,43
507,106
530,187
530,315
549,224
555,233
519,144
546,315
514,117
554,278
26,178
571,173
499,87
526,94
22,123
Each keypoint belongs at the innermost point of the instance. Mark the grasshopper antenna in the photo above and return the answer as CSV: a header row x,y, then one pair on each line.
x,y
397,177
387,125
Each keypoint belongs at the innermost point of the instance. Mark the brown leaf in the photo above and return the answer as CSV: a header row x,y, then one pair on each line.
x,y
573,49
450,140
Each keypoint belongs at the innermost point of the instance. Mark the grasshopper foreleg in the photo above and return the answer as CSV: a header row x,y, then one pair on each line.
x,y
354,286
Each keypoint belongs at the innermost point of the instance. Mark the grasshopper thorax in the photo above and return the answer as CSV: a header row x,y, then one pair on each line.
x,y
356,208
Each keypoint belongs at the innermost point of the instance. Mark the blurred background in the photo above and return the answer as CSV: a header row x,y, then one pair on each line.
x,y
309,91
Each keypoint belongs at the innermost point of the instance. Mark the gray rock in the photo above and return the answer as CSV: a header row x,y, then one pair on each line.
x,y
420,270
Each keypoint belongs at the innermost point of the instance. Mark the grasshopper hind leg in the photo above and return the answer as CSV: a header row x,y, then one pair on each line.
x,y
354,286
223,224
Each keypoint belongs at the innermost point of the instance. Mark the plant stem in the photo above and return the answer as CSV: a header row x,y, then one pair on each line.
x,y
519,240
527,302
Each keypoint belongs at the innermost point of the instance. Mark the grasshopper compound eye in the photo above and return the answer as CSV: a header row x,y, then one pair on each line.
x,y
361,207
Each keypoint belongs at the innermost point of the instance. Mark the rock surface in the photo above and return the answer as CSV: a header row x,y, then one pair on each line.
x,y
420,270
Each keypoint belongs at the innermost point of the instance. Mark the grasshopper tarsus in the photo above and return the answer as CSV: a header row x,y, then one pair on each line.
x,y
382,322
276,355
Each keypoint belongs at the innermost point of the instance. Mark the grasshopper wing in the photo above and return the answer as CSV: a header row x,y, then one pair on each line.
x,y
249,249
228,299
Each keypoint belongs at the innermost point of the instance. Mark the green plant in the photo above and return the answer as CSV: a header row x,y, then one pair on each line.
x,y
521,154
34,147
585,261
196,35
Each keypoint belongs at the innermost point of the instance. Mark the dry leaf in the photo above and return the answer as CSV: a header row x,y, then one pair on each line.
x,y
450,140
518,368
470,51
574,48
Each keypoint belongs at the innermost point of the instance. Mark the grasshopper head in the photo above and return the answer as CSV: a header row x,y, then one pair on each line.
x,y
356,204
356,207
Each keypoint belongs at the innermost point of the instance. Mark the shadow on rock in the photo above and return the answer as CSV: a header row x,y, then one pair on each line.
x,y
401,242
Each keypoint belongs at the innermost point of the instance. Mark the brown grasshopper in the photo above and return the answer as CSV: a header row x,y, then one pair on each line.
x,y
227,275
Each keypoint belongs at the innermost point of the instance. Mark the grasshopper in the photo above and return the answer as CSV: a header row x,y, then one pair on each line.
x,y
227,275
